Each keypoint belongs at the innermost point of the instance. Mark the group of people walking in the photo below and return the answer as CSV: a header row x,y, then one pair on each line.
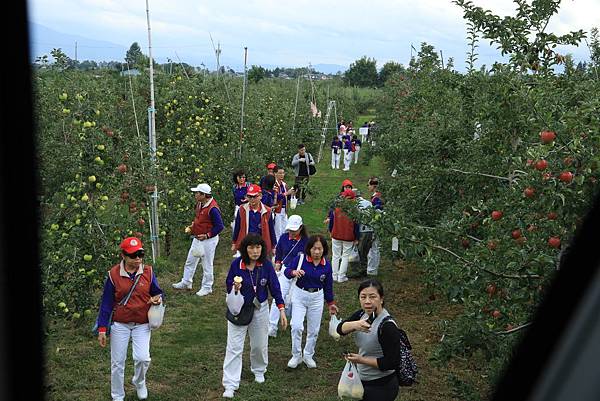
x,y
346,145
274,256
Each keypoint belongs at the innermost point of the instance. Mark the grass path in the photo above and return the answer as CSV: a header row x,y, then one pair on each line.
x,y
188,351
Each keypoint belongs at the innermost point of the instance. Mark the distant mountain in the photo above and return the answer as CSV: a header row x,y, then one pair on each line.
x,y
329,68
44,39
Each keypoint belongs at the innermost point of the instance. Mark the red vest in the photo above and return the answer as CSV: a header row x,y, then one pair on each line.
x,y
343,227
265,215
202,223
136,310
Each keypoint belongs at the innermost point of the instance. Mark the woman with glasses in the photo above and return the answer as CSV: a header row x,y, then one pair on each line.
x,y
129,290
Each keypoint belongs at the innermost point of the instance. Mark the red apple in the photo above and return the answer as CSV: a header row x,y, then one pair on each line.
x,y
496,215
529,162
547,136
529,192
122,168
492,245
568,161
566,176
138,234
491,289
465,243
521,240
541,165
552,216
554,242
516,234
496,314
546,176
141,222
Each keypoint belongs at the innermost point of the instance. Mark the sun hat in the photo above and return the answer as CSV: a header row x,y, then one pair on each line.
x,y
294,223
204,188
131,245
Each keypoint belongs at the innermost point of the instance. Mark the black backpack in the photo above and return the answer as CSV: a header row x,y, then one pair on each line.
x,y
407,369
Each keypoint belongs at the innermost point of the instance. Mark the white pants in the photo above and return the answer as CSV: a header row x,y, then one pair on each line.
x,y
309,304
340,250
191,262
347,159
356,150
284,284
373,258
119,342
280,223
259,347
335,160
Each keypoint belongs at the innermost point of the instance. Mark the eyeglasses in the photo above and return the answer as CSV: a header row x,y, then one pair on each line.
x,y
241,176
252,196
373,183
137,254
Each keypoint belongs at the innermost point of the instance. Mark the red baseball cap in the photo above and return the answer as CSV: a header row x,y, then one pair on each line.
x,y
271,165
253,189
347,183
348,193
131,244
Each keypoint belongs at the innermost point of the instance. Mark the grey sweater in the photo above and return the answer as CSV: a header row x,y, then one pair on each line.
x,y
296,162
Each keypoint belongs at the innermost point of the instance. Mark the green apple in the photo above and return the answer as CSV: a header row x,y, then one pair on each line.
x,y
87,312
100,147
65,235
78,222
98,185
76,315
66,111
66,310
63,96
104,198
62,305
159,154
87,124
78,97
92,178
54,227
85,198
87,258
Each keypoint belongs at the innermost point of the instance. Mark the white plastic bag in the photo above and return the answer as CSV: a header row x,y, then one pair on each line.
x,y
333,324
350,385
197,249
235,301
156,314
354,256
293,202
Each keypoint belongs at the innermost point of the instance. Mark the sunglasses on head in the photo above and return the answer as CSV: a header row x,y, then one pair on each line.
x,y
137,254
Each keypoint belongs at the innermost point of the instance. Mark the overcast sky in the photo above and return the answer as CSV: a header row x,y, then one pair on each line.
x,y
291,33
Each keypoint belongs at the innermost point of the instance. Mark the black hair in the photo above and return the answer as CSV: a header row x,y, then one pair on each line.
x,y
268,182
300,146
373,180
278,167
371,283
236,173
314,239
253,239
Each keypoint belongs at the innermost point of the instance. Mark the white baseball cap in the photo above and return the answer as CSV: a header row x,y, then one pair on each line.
x,y
294,223
204,188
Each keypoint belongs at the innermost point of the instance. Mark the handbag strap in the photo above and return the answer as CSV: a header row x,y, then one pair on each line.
x,y
288,254
126,299
300,261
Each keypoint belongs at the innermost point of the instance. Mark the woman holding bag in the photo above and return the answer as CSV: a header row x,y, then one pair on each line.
x,y
129,290
253,275
377,357
289,245
314,284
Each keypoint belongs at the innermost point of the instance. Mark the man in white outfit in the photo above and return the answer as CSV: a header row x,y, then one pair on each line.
x,y
205,230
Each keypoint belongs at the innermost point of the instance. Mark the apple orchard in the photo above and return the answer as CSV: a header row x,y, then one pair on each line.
x,y
489,172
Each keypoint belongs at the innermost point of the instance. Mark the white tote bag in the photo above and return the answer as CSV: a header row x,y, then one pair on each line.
x,y
235,301
156,314
350,385
293,202
333,324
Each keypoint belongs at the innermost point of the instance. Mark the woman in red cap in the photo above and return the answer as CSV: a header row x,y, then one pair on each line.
x,y
344,235
254,217
130,288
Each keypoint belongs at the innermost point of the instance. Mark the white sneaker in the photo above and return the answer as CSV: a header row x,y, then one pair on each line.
x,y
259,378
182,285
342,279
310,363
142,392
294,362
203,292
272,332
228,393
335,277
